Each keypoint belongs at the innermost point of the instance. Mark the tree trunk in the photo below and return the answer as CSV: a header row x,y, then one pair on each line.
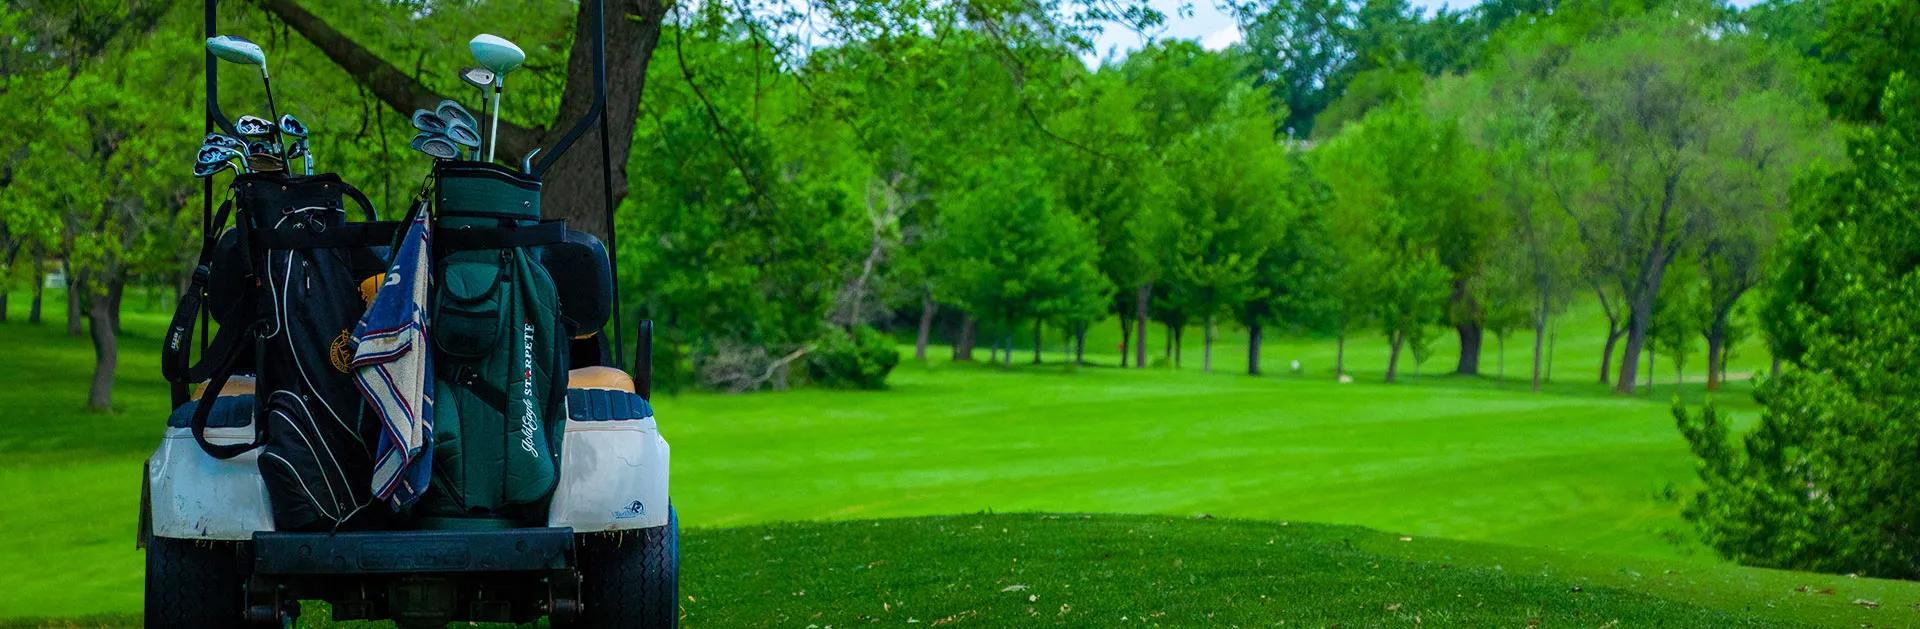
x,y
76,288
1650,353
1393,358
1080,345
1036,341
927,310
1471,338
1253,349
1340,356
5,287
1141,298
1206,347
102,311
1716,338
1539,339
572,189
1006,349
1126,339
39,287
1776,367
1179,334
1606,357
963,345
1170,340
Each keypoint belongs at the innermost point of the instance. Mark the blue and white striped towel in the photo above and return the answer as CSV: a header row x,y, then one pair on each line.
x,y
394,369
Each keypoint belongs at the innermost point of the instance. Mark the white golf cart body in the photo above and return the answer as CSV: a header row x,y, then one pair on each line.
x,y
613,477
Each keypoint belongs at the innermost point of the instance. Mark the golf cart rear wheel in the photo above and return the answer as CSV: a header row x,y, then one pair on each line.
x,y
193,584
630,579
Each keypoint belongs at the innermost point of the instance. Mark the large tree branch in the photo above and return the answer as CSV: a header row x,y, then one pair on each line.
x,y
395,88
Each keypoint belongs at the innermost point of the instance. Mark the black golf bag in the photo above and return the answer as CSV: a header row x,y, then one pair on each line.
x,y
284,285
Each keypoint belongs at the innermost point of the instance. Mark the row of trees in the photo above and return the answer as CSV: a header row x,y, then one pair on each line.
x,y
1355,166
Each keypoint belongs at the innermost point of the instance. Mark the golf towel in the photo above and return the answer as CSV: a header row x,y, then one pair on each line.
x,y
393,367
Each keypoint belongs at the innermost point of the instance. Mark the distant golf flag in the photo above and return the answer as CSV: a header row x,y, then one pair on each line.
x,y
394,371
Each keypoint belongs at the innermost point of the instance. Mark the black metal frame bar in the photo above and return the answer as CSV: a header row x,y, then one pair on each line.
x,y
413,552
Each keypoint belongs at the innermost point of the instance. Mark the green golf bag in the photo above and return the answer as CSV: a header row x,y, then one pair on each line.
x,y
500,351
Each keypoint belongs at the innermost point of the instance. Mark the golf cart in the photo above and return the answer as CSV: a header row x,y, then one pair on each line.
x,y
586,538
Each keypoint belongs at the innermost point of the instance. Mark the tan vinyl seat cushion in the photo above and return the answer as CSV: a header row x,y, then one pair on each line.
x,y
600,378
237,385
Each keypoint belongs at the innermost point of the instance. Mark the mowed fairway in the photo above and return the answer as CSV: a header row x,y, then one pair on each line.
x,y
1574,469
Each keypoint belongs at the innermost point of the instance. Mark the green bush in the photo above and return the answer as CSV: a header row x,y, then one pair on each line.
x,y
861,360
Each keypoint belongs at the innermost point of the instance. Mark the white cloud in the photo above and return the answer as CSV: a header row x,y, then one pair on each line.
x,y
1222,38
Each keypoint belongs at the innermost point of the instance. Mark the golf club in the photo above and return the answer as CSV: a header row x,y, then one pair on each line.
x,y
452,112
232,49
291,126
202,171
526,163
217,154
463,135
428,122
479,78
501,56
264,162
435,146
216,139
260,148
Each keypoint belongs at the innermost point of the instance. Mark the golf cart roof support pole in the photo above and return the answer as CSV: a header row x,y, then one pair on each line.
x,y
606,168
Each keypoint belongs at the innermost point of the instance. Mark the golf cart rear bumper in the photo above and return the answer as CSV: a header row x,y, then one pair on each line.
x,y
397,552
425,578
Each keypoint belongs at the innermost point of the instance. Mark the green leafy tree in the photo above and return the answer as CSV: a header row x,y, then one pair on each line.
x,y
1820,483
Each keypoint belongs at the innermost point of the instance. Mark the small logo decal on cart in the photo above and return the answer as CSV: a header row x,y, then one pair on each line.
x,y
632,510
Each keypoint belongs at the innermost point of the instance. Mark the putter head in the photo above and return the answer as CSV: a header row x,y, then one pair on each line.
x,y
462,134
233,49
202,171
292,127
452,112
496,54
253,127
216,139
428,122
217,154
477,77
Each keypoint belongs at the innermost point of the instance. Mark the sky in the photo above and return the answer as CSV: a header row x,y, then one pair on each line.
x,y
1215,30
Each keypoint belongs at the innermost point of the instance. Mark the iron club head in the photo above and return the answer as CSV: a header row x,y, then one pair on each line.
x,y
217,139
254,127
202,171
428,122
452,112
292,126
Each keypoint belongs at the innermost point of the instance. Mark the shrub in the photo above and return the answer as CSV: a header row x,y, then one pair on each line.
x,y
861,360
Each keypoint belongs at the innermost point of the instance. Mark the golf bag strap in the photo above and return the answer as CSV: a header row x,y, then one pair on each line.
x,y
176,355
467,239
370,234
360,197
466,376
201,412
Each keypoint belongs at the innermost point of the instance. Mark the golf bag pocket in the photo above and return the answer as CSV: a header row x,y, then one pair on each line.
x,y
467,320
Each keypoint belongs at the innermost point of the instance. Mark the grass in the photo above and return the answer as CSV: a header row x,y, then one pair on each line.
x,y
1571,486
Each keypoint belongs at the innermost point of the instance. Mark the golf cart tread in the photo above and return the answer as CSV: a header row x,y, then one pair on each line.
x,y
193,584
630,579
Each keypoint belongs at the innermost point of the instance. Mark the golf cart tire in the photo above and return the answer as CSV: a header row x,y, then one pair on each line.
x,y
630,579
193,584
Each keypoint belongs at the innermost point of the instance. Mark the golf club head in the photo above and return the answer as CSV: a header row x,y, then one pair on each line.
x,y
463,135
233,49
218,154
428,122
216,139
496,54
452,112
262,162
262,148
253,127
478,77
292,126
202,171
435,146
